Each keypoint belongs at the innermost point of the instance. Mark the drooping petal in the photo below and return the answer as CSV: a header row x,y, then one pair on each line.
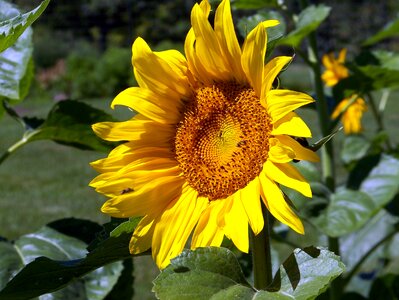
x,y
252,206
142,235
280,153
276,204
301,153
287,175
253,57
207,232
175,225
227,38
279,103
271,70
154,196
236,224
156,73
291,124
160,108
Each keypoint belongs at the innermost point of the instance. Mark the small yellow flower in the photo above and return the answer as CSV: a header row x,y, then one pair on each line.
x,y
352,114
335,69
211,140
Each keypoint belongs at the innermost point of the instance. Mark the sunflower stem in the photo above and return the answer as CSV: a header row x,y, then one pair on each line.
x,y
261,254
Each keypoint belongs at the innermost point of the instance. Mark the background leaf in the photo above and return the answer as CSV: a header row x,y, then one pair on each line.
x,y
354,148
69,123
214,273
13,24
254,4
347,211
389,30
48,274
308,20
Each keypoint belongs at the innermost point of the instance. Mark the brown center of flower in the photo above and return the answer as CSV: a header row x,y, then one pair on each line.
x,y
223,139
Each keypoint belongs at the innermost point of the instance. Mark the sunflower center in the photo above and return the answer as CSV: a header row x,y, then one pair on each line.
x,y
222,141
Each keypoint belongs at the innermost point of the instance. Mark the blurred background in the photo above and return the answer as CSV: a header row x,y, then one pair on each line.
x,y
82,51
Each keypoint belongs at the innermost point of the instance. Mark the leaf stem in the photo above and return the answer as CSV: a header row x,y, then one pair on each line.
x,y
261,254
14,147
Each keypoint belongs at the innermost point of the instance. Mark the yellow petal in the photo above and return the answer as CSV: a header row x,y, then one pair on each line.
x,y
207,232
279,152
130,130
250,198
281,102
226,35
135,179
272,69
195,65
301,153
276,204
162,109
155,195
236,227
156,73
293,125
342,56
287,175
253,57
175,226
270,23
142,235
117,162
206,45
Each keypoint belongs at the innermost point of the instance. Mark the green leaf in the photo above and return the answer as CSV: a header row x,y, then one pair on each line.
x,y
308,21
15,68
214,273
391,29
60,267
13,24
354,148
355,245
381,184
254,4
69,123
347,211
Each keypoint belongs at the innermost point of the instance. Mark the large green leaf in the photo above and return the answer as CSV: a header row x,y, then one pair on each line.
x,y
13,24
42,274
14,64
382,183
391,29
347,211
354,148
69,123
308,21
214,273
358,244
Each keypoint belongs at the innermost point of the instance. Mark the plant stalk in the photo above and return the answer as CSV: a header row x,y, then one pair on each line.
x,y
261,254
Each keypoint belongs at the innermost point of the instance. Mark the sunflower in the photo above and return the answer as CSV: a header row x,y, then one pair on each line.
x,y
352,114
210,141
335,69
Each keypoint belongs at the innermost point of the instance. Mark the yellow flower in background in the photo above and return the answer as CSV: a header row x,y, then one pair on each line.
x,y
211,140
352,114
335,69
